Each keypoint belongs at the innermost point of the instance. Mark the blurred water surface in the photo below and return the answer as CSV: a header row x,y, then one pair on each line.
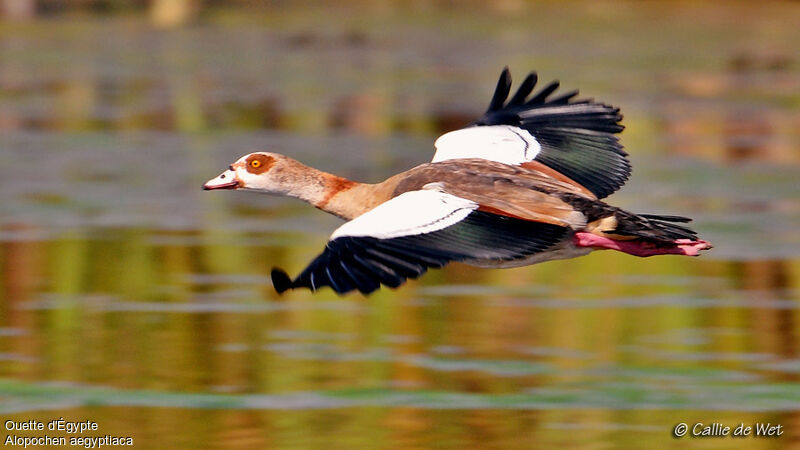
x,y
132,298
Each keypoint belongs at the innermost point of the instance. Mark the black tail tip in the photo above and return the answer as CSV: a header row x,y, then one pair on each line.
x,y
280,280
667,218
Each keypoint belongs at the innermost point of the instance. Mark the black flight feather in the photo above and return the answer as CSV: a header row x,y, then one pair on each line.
x,y
576,135
364,263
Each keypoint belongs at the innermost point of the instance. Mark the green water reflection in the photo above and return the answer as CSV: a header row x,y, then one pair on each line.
x,y
131,298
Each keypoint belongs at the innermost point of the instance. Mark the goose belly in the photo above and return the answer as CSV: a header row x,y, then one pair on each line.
x,y
565,250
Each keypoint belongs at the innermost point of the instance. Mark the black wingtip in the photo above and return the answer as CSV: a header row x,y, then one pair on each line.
x,y
281,281
541,97
501,91
524,90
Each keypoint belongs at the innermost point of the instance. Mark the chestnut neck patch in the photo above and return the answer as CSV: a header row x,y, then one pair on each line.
x,y
258,163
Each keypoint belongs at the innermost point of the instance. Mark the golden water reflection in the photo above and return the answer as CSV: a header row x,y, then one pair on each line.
x,y
129,314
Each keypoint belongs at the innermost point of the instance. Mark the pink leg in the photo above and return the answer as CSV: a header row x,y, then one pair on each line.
x,y
641,248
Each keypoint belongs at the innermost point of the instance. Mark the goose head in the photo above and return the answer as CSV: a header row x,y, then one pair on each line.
x,y
272,173
260,171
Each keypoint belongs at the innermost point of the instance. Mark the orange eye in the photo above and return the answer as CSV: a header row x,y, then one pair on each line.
x,y
255,164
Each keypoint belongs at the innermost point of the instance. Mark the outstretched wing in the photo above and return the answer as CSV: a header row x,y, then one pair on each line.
x,y
412,232
576,138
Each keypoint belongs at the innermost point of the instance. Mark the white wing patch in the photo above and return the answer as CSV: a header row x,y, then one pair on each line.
x,y
408,214
502,143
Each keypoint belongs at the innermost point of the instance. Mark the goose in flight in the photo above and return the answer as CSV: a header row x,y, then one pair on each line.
x,y
521,185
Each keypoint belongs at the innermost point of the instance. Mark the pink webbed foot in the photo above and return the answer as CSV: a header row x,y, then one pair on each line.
x,y
692,248
642,248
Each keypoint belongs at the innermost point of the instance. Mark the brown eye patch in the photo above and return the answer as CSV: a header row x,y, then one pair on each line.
x,y
258,163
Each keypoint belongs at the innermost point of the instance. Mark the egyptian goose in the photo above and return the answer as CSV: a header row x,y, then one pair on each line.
x,y
519,186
